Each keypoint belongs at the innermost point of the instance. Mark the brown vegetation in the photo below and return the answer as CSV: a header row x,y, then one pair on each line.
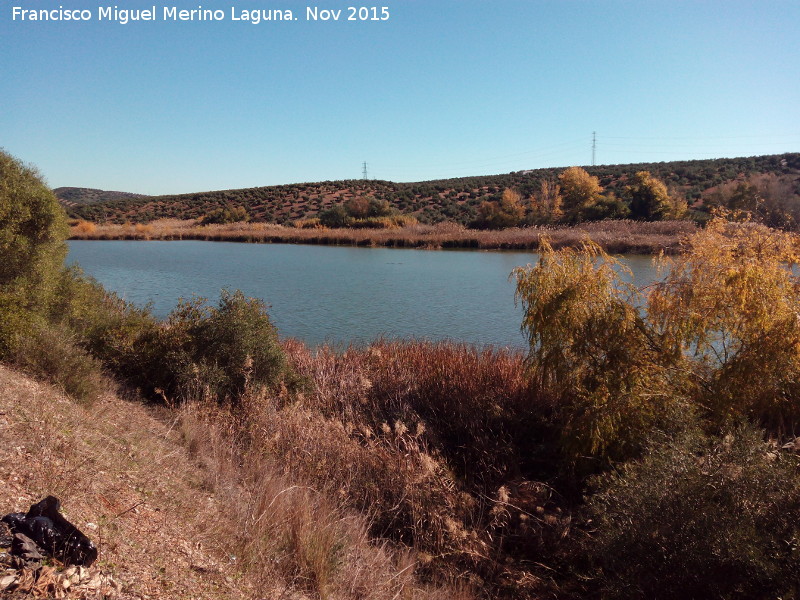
x,y
396,432
125,480
614,236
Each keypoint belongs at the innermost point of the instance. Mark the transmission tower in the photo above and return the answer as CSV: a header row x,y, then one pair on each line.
x,y
364,171
594,145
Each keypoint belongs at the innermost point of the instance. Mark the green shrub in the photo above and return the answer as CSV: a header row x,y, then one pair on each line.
x,y
32,233
335,216
212,352
700,518
51,353
225,215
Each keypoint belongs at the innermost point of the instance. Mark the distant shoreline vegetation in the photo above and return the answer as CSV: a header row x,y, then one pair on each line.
x,y
628,237
764,189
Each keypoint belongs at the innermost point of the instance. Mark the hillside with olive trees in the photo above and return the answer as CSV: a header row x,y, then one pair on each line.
x,y
73,196
736,183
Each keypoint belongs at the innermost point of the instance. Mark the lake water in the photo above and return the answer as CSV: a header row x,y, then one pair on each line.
x,y
330,293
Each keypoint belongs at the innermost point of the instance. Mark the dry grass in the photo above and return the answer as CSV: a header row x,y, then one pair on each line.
x,y
614,236
296,534
123,479
418,445
195,509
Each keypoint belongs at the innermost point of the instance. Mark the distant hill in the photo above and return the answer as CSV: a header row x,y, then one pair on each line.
x,y
430,201
72,196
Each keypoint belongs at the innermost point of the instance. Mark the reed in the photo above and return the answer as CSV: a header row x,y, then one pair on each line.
x,y
613,236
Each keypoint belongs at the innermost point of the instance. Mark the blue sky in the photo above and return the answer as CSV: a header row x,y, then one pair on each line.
x,y
441,89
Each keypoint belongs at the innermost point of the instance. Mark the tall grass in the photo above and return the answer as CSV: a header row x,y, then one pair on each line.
x,y
437,444
614,236
294,534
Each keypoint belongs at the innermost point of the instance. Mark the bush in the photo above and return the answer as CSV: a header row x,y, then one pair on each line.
x,y
700,518
212,353
225,215
335,216
110,329
51,353
392,222
32,233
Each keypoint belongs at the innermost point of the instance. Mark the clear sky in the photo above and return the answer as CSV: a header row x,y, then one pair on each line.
x,y
441,89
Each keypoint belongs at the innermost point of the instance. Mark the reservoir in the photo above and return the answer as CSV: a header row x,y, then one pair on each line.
x,y
330,294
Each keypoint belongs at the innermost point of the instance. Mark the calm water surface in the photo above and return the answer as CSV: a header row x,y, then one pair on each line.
x,y
329,294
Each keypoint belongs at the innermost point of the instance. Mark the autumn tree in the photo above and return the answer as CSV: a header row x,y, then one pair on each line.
x,y
579,191
508,212
719,335
357,207
647,197
335,216
590,352
730,301
546,204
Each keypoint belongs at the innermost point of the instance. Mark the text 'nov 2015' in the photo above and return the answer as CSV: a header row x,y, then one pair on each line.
x,y
175,14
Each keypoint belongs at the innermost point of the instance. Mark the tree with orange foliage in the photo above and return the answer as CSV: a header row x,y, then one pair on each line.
x,y
579,191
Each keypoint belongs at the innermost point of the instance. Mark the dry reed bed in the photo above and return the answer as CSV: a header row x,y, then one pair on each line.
x,y
292,529
615,236
431,444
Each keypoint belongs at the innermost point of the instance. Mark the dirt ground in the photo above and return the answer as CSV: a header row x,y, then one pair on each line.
x,y
125,480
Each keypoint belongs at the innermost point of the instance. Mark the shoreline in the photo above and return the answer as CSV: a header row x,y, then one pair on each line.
x,y
615,237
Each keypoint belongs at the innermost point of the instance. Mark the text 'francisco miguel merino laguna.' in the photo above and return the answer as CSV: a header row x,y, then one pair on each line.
x,y
173,13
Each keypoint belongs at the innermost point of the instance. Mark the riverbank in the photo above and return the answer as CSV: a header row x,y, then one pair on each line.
x,y
618,237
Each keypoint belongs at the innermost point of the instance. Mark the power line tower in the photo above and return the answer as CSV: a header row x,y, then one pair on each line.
x,y
594,145
364,171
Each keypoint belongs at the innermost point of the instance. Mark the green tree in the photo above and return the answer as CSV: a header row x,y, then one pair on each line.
x,y
335,216
32,233
605,207
380,208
